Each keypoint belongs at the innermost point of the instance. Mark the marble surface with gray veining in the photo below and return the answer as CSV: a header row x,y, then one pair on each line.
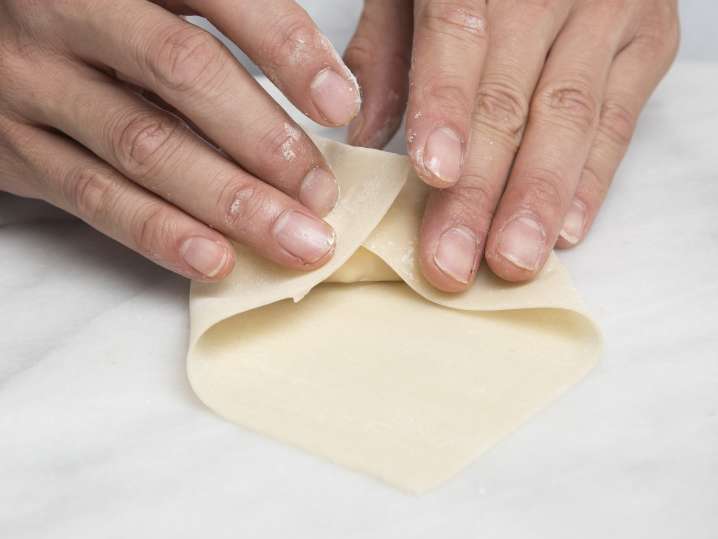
x,y
101,436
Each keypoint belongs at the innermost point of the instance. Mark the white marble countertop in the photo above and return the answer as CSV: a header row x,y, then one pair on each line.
x,y
101,436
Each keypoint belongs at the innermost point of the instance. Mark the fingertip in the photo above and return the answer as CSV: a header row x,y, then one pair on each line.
x,y
507,270
440,160
337,98
208,259
450,262
227,268
441,281
518,249
303,241
566,243
574,225
319,191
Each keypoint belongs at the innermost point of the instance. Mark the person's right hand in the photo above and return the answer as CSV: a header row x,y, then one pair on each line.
x,y
95,102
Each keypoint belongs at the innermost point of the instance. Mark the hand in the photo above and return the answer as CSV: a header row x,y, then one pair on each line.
x,y
519,111
95,102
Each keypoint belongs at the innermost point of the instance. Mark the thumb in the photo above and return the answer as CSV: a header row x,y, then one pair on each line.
x,y
379,55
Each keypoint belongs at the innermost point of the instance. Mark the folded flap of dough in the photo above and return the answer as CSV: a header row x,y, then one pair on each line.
x,y
369,182
406,386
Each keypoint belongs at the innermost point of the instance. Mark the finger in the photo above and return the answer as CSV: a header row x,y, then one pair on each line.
x,y
450,41
136,87
378,54
79,183
158,152
284,42
454,227
634,75
562,123
192,71
521,36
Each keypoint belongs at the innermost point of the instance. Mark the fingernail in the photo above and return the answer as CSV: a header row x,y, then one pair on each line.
x,y
574,222
522,242
305,237
443,155
336,97
204,255
319,191
456,253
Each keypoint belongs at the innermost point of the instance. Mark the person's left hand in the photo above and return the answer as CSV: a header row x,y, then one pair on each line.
x,y
519,111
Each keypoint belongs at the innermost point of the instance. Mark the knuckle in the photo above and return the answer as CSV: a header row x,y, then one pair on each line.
x,y
280,143
240,204
473,199
502,108
593,185
542,191
472,191
660,40
142,142
151,228
186,58
445,92
290,42
569,103
89,192
458,20
617,122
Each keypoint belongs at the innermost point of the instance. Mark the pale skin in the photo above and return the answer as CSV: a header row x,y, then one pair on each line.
x,y
518,113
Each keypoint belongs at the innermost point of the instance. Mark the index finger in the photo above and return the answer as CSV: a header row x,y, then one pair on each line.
x,y
281,38
189,69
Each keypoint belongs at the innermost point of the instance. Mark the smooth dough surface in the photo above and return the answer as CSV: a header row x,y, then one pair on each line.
x,y
363,362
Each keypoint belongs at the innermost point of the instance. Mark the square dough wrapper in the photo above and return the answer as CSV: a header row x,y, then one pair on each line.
x,y
363,362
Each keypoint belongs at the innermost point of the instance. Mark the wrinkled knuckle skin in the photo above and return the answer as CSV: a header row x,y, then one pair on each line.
x,y
142,142
458,20
290,42
593,185
617,123
445,94
542,193
280,144
472,200
240,205
186,59
89,192
503,109
151,229
570,104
